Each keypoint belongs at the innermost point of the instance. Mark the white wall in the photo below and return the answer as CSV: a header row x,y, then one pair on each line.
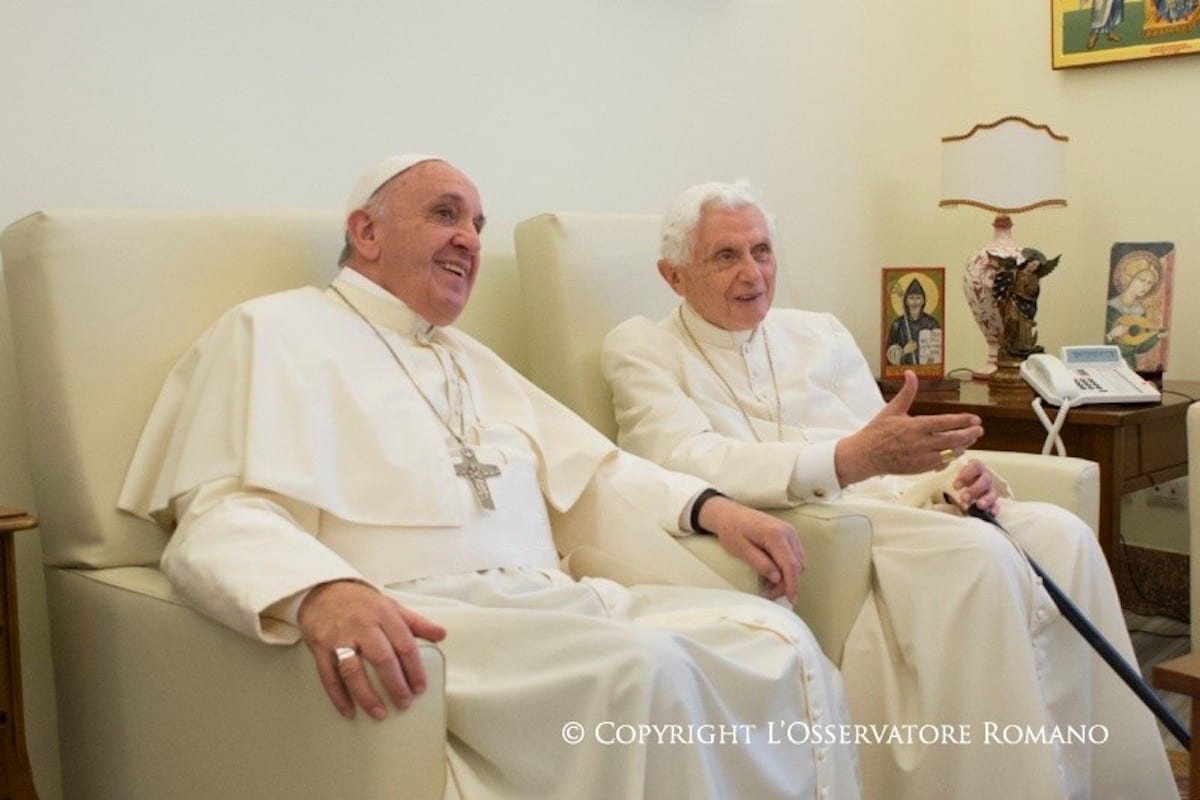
x,y
835,110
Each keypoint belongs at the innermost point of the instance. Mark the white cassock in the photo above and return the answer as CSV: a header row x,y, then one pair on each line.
x,y
957,630
290,449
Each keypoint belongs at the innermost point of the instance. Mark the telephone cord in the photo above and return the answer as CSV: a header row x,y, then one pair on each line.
x,y
1053,440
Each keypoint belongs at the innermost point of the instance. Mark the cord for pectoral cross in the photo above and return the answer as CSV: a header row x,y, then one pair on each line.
x,y
470,469
729,388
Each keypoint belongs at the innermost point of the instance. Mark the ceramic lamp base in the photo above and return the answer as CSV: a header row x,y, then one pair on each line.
x,y
978,281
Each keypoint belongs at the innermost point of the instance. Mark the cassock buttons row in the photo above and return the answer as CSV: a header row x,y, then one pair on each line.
x,y
822,751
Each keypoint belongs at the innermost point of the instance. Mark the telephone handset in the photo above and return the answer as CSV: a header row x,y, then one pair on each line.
x,y
1087,374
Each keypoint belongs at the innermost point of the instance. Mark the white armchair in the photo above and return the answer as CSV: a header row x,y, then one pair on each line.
x,y
155,700
582,274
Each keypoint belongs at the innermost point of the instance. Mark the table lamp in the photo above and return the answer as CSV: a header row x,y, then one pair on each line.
x,y
1009,166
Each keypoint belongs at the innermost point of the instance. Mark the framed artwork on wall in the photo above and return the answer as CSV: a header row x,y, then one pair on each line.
x,y
1089,32
1141,277
914,322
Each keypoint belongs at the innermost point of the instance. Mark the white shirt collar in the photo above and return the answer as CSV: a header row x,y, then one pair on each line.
x,y
381,306
710,334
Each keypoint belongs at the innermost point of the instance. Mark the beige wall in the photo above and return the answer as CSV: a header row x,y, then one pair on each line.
x,y
835,111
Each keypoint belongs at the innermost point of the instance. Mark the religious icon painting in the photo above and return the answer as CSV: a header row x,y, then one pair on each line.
x,y
914,321
1138,314
1088,32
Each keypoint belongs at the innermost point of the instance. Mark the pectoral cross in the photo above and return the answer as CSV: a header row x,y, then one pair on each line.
x,y
477,473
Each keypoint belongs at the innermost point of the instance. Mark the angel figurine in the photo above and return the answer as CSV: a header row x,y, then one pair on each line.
x,y
1016,289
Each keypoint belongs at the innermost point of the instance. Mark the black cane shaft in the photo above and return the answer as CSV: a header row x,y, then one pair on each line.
x,y
1133,678
1114,659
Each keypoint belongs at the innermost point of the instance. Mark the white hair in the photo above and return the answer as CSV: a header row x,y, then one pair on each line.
x,y
683,215
376,206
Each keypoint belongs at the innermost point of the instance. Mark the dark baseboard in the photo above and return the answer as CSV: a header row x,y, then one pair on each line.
x,y
1152,582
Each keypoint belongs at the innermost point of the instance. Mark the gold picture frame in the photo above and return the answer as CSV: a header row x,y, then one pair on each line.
x,y
1091,32
912,336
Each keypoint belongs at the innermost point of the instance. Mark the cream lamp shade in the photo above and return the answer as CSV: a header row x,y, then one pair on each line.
x,y
1007,166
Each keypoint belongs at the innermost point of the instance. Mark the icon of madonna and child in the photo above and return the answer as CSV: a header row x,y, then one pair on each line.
x,y
1138,314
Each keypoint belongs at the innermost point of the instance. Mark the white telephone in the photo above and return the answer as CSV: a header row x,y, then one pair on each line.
x,y
1087,374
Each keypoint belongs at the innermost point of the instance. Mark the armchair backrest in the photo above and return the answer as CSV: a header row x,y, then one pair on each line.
x,y
582,275
103,303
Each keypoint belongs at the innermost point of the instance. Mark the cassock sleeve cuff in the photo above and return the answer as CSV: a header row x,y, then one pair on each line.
x,y
645,485
285,611
279,623
683,491
814,476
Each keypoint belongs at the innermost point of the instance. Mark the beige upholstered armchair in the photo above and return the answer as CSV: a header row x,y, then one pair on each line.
x,y
155,700
582,274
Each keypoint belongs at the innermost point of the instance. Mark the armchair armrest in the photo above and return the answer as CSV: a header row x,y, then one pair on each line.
x,y
838,544
837,581
156,700
622,545
1073,483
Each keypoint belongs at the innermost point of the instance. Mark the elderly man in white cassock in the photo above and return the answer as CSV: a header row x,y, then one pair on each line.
x,y
341,466
777,407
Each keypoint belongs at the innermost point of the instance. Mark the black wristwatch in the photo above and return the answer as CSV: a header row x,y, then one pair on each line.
x,y
701,499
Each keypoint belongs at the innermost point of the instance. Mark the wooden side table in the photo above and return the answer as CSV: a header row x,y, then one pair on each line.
x,y
16,777
1136,445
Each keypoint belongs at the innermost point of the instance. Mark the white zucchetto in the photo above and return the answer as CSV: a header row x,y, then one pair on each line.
x,y
381,173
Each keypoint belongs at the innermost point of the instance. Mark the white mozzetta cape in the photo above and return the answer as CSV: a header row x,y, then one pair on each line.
x,y
303,424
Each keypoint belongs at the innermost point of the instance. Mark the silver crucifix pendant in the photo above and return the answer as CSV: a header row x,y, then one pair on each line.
x,y
477,474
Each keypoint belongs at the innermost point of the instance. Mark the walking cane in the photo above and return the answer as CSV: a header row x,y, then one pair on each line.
x,y
936,484
1133,678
